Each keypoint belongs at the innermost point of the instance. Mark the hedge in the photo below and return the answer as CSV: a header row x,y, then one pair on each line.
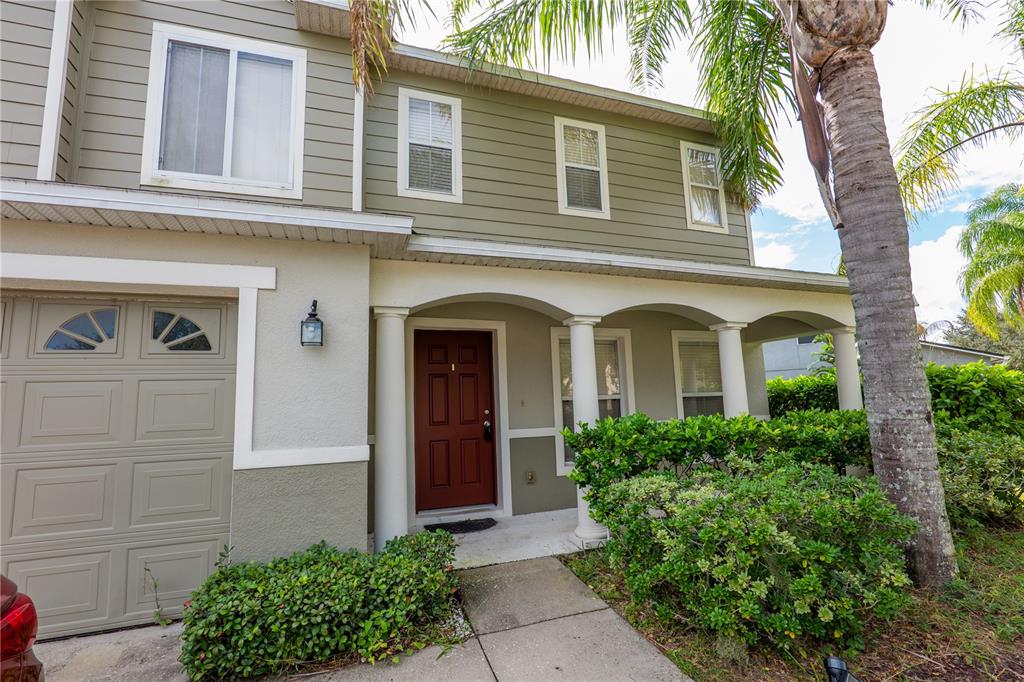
x,y
770,551
976,395
615,449
252,619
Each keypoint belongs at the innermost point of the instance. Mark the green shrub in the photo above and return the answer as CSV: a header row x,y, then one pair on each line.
x,y
769,552
983,476
978,396
613,450
252,619
812,392
975,395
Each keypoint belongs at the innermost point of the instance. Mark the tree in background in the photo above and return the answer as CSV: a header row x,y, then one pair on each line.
x,y
993,244
981,110
1010,342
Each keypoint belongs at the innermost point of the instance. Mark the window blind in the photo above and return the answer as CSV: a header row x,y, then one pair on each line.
x,y
705,202
582,156
195,114
431,141
609,383
700,376
195,109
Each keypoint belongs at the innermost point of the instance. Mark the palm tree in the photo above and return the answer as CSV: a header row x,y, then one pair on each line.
x,y
981,110
757,57
993,244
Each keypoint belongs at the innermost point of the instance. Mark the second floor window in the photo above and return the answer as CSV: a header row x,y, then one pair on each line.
x,y
224,114
702,180
582,169
429,146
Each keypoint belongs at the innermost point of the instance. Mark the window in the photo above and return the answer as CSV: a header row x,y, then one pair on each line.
x,y
698,374
582,162
804,340
86,331
429,146
614,382
702,182
225,114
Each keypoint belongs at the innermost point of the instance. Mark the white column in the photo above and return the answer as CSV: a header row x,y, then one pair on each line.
x,y
847,371
584,408
730,355
390,505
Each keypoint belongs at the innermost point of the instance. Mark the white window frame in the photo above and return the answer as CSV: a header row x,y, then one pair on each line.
x,y
680,336
404,95
563,201
684,158
151,174
625,343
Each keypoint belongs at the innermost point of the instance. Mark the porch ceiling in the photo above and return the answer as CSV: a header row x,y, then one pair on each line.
x,y
59,202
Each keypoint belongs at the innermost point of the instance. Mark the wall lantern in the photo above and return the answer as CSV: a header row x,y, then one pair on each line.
x,y
311,331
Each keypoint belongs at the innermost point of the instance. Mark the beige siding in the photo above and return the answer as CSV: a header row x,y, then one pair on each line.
x,y
509,180
77,46
114,102
25,51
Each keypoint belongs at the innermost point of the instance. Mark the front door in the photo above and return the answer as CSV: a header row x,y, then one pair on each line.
x,y
454,419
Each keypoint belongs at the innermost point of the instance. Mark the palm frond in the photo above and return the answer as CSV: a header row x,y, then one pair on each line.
x,y
1013,25
745,77
930,147
960,11
374,24
529,32
653,27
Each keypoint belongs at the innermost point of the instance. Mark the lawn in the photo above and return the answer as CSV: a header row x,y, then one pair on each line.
x,y
974,630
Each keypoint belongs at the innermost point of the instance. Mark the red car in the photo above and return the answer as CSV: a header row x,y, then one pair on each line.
x,y
18,623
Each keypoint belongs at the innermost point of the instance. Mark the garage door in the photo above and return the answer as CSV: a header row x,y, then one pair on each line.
x,y
116,443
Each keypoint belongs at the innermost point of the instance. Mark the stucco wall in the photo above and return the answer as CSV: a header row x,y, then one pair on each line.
x,y
303,397
277,511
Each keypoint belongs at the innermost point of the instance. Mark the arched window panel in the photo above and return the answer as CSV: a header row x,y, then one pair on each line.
x,y
84,328
184,330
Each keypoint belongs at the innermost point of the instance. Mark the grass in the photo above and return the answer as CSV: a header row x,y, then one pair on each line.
x,y
973,630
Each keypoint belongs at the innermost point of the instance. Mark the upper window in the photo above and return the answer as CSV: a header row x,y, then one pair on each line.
x,y
698,374
582,162
224,114
613,362
429,146
702,181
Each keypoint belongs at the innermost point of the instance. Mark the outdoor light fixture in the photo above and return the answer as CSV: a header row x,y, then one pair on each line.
x,y
311,331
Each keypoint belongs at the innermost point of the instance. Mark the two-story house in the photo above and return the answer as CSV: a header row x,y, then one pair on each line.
x,y
495,254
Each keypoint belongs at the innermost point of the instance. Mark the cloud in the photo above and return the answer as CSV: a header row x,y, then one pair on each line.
x,y
935,269
774,255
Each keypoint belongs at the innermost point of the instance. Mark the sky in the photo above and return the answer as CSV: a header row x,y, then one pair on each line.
x,y
920,51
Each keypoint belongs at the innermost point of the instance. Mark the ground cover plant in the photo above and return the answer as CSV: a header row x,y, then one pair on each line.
x,y
252,619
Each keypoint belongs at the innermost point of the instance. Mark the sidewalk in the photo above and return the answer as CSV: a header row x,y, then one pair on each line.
x,y
532,620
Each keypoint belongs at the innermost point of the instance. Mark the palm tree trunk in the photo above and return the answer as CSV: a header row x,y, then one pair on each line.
x,y
877,255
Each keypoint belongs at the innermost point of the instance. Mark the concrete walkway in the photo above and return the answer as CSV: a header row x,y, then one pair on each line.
x,y
532,620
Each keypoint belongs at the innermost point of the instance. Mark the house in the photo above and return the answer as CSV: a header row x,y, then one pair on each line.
x,y
493,255
788,358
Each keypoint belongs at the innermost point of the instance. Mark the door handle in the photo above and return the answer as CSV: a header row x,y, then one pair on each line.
x,y
488,431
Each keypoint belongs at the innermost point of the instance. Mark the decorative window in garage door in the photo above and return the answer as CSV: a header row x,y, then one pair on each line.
x,y
178,333
91,329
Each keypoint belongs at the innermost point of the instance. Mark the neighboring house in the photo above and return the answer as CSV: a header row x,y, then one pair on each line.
x,y
790,358
495,255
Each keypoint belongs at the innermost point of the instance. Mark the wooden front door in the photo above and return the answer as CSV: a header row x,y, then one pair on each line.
x,y
454,419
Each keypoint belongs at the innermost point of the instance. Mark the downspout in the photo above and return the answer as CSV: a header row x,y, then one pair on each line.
x,y
358,109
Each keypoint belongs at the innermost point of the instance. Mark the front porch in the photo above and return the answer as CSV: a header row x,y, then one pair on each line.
x,y
478,369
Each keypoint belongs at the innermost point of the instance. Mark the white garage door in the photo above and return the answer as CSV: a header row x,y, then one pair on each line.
x,y
116,453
